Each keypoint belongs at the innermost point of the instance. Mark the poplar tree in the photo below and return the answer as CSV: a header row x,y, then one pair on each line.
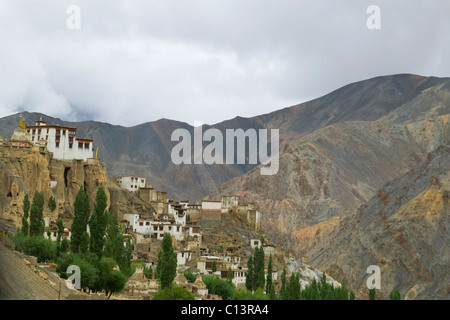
x,y
372,294
80,238
52,204
26,210
37,223
97,223
249,279
258,260
167,262
229,275
60,225
293,289
112,232
283,288
270,290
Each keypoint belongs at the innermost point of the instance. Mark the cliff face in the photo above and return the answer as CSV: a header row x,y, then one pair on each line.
x,y
23,171
404,229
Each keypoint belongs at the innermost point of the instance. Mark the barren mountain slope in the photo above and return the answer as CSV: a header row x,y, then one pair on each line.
x,y
404,229
144,150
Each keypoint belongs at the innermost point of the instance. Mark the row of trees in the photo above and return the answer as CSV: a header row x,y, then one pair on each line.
x,y
96,255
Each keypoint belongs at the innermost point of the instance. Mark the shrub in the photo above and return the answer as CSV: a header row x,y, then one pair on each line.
x,y
173,293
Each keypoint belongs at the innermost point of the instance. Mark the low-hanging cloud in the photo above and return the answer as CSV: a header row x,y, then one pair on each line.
x,y
136,61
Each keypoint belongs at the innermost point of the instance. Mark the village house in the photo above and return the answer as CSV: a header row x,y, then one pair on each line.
x,y
131,183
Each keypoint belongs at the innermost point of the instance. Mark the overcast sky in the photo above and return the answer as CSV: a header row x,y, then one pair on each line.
x,y
209,60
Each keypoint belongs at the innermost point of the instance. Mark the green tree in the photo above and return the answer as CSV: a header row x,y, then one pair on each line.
x,y
167,262
80,238
190,276
372,294
65,244
248,295
124,255
112,243
98,222
283,288
105,267
249,279
220,287
173,293
26,210
115,283
88,273
395,295
40,247
60,225
63,262
322,290
270,289
293,288
52,204
36,220
214,266
229,275
258,260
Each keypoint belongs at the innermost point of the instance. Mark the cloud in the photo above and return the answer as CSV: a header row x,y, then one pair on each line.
x,y
136,61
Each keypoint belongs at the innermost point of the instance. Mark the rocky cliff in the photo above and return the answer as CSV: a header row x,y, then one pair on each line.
x,y
24,171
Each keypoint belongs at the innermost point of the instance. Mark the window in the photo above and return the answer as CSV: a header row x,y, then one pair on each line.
x,y
80,145
147,223
57,144
86,145
141,224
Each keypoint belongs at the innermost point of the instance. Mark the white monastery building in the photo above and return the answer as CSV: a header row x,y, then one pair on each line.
x,y
61,141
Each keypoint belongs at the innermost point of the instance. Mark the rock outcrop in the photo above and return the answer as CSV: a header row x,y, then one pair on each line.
x,y
26,170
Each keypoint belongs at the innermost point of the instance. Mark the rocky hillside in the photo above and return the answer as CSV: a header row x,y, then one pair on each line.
x,y
404,229
332,171
145,149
